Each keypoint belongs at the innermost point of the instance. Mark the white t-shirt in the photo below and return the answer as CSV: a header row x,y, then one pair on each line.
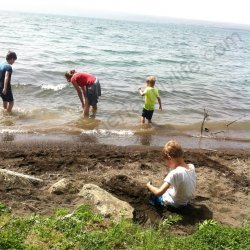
x,y
182,186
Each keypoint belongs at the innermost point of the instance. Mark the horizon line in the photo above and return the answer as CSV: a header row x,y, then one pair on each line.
x,y
126,17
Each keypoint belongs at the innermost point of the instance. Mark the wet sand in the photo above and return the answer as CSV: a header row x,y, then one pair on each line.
x,y
222,179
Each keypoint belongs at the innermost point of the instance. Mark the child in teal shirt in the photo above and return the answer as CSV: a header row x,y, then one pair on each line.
x,y
151,95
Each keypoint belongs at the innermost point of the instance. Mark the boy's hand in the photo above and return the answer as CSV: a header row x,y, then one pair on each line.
x,y
4,91
141,92
149,182
160,108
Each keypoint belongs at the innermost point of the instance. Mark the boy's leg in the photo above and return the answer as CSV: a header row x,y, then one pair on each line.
x,y
143,115
92,101
10,106
142,120
86,109
8,101
169,202
5,105
150,115
94,109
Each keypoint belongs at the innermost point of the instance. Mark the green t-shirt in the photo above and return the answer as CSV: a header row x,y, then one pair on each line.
x,y
151,95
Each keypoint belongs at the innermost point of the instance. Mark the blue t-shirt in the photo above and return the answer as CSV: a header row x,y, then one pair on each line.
x,y
3,69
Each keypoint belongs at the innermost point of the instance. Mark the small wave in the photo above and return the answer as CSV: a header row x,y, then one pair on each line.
x,y
105,132
48,86
100,28
24,114
24,84
123,52
165,60
54,87
12,131
67,62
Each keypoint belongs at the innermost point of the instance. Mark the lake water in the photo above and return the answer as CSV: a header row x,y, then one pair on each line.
x,y
198,66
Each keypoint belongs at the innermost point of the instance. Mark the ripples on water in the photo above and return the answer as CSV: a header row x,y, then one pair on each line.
x,y
196,67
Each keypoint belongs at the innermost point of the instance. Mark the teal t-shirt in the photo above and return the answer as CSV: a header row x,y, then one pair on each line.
x,y
151,95
3,68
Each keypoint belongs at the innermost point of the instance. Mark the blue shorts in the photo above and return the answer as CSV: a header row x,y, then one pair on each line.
x,y
156,200
8,97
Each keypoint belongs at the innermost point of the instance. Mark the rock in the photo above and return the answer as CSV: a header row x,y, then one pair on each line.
x,y
10,173
60,187
105,203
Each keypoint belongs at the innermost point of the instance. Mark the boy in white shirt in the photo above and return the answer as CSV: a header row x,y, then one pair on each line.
x,y
179,185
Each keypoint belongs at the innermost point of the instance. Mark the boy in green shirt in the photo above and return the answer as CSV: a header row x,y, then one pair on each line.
x,y
151,94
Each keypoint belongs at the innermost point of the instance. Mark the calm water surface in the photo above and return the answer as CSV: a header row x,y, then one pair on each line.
x,y
197,66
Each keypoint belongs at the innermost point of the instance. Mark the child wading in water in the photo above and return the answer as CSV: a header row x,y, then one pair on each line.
x,y
5,81
88,89
151,95
179,185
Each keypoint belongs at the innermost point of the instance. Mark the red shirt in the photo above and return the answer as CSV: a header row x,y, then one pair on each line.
x,y
83,79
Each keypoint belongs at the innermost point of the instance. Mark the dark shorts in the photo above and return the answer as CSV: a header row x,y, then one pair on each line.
x,y
93,93
147,114
8,97
156,201
159,203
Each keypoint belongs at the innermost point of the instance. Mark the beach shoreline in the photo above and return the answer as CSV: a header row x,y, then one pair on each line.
x,y
222,178
123,137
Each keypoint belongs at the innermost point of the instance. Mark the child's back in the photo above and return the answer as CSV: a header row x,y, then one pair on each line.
x,y
151,95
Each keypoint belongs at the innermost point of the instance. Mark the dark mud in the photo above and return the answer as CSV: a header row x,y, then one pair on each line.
x,y
222,180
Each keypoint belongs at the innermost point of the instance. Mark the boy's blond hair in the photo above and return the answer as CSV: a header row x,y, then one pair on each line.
x,y
151,80
173,149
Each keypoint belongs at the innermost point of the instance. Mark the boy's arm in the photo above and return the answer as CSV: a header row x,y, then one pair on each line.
x,y
141,92
158,191
6,80
159,101
79,92
84,91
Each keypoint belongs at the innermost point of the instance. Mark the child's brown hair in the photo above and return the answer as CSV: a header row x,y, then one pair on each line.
x,y
151,80
173,149
69,74
11,55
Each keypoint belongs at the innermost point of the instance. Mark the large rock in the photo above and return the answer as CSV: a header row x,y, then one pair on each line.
x,y
105,203
61,187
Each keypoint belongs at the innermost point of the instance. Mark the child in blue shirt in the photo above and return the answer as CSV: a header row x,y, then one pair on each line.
x,y
5,81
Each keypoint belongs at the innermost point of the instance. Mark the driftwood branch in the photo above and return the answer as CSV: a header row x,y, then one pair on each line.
x,y
234,121
218,132
24,176
204,119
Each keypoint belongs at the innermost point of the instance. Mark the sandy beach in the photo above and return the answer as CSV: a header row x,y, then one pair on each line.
x,y
222,179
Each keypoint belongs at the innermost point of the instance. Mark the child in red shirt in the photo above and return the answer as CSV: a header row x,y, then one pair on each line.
x,y
87,87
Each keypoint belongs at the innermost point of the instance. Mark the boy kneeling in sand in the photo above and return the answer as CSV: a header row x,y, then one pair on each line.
x,y
179,185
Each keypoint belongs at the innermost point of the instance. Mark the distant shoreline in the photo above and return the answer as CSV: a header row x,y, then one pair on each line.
x,y
117,16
